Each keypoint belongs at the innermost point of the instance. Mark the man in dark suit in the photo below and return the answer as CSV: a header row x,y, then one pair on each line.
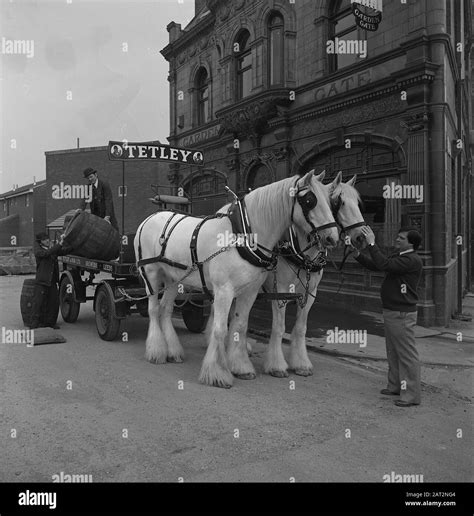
x,y
102,203
399,298
46,297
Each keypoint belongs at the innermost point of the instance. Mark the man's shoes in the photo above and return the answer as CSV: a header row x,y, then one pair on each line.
x,y
389,393
401,403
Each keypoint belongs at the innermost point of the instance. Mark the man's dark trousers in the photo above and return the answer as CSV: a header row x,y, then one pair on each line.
x,y
45,307
402,355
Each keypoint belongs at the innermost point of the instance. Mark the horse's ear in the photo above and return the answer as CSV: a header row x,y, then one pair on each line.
x,y
352,181
336,181
307,178
321,176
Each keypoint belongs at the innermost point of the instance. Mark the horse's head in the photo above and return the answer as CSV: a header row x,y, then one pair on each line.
x,y
346,205
312,210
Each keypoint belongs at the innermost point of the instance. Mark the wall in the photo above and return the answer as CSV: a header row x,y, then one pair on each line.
x,y
67,166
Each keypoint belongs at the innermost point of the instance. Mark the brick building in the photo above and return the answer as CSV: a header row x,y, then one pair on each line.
x,y
67,166
396,112
22,214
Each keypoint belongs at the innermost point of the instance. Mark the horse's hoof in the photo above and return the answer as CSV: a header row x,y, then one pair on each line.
x,y
278,374
222,385
245,376
302,371
174,360
156,360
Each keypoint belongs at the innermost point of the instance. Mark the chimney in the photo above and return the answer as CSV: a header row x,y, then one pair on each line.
x,y
175,31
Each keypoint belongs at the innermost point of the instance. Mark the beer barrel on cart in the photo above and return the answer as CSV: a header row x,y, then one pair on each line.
x,y
92,237
26,300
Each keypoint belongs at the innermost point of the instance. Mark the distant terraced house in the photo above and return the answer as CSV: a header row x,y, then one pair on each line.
x,y
22,214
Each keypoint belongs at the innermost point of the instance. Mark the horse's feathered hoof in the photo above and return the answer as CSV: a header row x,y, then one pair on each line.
x,y
278,374
216,377
156,360
302,371
245,376
174,359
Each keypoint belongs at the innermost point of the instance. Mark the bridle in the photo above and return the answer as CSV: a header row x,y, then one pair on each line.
x,y
336,206
308,202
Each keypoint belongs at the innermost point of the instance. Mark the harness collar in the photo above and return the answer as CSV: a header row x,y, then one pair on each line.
x,y
238,217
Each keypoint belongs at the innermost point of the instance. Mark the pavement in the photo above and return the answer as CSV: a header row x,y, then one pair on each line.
x,y
438,346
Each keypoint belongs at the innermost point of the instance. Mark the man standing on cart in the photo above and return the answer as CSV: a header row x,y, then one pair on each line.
x,y
102,203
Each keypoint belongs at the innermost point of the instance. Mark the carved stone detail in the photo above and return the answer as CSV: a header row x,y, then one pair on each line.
x,y
250,119
416,122
232,163
280,154
264,158
349,116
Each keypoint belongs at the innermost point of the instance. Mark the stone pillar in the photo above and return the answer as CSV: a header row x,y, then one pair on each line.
x,y
227,80
290,59
424,215
172,81
321,65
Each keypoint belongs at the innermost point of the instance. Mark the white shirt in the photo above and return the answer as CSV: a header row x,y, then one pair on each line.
x,y
407,251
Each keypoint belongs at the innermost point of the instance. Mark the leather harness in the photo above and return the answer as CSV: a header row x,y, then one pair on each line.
x,y
238,217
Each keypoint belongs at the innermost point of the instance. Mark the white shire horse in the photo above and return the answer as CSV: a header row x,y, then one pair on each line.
x,y
291,277
271,210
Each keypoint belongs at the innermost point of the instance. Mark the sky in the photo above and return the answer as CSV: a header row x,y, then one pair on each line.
x,y
87,69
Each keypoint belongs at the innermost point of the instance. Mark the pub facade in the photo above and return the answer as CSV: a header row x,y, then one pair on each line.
x,y
381,88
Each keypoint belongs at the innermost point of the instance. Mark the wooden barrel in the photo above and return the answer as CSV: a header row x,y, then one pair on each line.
x,y
128,251
26,300
92,237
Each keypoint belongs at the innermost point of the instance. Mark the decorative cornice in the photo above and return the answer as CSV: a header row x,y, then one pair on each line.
x,y
187,38
250,116
337,106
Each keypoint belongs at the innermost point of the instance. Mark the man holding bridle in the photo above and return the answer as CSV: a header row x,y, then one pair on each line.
x,y
399,298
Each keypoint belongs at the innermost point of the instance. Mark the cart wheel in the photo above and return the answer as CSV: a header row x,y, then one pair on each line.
x,y
69,307
195,317
108,326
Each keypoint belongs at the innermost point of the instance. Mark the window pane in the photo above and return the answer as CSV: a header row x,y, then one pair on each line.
x,y
246,82
204,94
276,57
345,23
246,61
205,111
347,59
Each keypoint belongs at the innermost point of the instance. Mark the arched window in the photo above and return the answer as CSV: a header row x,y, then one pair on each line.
x,y
244,65
202,97
276,48
343,28
259,176
207,191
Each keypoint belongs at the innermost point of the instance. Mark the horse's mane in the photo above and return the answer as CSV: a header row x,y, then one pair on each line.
x,y
272,203
347,192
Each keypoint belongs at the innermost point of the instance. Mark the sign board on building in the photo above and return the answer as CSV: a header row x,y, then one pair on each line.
x,y
368,13
138,151
200,136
